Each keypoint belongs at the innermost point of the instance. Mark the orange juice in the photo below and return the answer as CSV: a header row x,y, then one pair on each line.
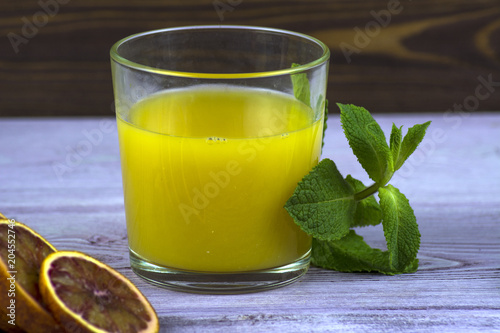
x,y
207,171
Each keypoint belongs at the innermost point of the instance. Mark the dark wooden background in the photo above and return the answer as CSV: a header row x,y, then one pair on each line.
x,y
429,57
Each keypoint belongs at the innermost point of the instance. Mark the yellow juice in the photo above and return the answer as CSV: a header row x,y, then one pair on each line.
x,y
206,173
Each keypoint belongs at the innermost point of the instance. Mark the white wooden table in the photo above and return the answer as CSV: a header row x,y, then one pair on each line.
x,y
62,177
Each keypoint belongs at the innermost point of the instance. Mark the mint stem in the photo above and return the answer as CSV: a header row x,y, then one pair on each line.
x,y
370,190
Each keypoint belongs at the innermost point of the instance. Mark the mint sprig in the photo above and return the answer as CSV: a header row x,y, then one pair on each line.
x,y
327,206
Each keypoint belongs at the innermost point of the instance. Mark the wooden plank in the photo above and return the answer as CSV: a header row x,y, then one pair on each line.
x,y
420,55
453,184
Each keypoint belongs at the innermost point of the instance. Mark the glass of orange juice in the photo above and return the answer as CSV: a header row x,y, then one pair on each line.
x,y
217,125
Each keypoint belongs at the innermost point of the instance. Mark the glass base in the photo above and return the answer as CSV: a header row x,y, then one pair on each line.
x,y
219,283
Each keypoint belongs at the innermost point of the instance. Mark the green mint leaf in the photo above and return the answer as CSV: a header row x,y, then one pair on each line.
x,y
353,254
323,204
412,267
410,142
395,143
400,228
301,88
367,141
349,254
368,210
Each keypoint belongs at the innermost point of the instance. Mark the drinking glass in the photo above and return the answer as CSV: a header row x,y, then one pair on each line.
x,y
217,125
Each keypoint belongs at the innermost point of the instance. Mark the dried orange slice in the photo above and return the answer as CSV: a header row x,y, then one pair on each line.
x,y
22,252
86,295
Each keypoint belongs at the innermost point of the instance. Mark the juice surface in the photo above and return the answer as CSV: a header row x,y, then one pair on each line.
x,y
207,171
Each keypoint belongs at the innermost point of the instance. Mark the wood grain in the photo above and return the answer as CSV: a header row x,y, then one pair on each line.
x,y
425,55
453,184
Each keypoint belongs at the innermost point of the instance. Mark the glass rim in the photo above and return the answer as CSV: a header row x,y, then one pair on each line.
x,y
115,56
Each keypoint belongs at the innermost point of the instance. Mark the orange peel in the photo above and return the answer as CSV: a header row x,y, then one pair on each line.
x,y
87,295
22,252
